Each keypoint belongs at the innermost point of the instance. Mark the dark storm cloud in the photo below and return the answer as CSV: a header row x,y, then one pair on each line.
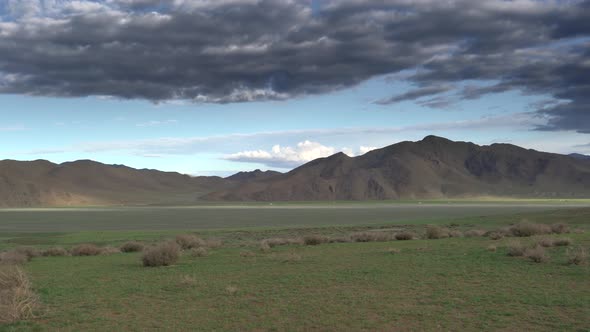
x,y
245,50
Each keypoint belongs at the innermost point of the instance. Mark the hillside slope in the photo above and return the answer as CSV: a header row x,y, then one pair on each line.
x,y
85,182
432,168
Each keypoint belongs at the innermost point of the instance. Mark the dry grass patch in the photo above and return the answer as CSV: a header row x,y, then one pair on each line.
x,y
163,254
562,242
525,229
13,258
110,250
455,233
199,252
403,236
231,290
313,240
474,233
371,237
495,235
187,241
55,251
560,228
577,256
492,248
436,232
536,254
85,250
17,299
279,241
187,280
516,249
213,243
131,246
546,242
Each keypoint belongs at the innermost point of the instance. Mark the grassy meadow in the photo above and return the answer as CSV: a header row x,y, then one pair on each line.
x,y
451,283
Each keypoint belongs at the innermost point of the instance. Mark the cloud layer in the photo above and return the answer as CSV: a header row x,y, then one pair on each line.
x,y
247,50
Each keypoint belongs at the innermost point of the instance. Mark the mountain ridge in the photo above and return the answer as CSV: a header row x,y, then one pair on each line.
x,y
434,167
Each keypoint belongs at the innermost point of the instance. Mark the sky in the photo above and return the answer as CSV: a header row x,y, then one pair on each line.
x,y
212,87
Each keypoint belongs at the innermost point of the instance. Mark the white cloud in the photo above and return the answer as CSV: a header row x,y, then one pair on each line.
x,y
284,157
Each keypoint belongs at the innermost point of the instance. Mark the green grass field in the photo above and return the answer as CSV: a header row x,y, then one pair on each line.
x,y
444,284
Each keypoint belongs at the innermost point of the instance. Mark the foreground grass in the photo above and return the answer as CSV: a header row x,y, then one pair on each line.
x,y
430,284
448,284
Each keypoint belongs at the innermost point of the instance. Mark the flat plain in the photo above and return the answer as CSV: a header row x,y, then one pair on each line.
x,y
455,283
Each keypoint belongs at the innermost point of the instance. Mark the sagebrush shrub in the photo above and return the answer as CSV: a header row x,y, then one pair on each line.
x,y
17,299
562,242
524,229
55,251
85,250
312,240
187,241
402,236
13,258
199,252
474,233
436,232
515,249
131,246
560,228
536,254
370,237
577,256
163,254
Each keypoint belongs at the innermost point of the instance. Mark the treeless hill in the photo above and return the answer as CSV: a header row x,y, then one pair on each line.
x,y
432,168
85,182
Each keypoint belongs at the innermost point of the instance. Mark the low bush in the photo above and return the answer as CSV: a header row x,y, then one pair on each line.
x,y
279,241
30,252
85,250
264,246
474,233
562,242
577,256
402,236
213,243
199,252
560,228
109,250
536,254
340,239
455,233
17,299
495,235
546,242
163,254
13,258
55,251
131,246
371,237
515,249
525,229
436,232
313,240
187,241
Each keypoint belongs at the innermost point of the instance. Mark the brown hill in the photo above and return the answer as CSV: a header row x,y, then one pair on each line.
x,y
85,182
432,168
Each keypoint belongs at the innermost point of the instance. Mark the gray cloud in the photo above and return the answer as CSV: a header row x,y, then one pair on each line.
x,y
246,50
415,94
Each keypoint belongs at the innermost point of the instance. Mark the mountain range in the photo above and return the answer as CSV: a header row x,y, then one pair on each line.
x,y
434,167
